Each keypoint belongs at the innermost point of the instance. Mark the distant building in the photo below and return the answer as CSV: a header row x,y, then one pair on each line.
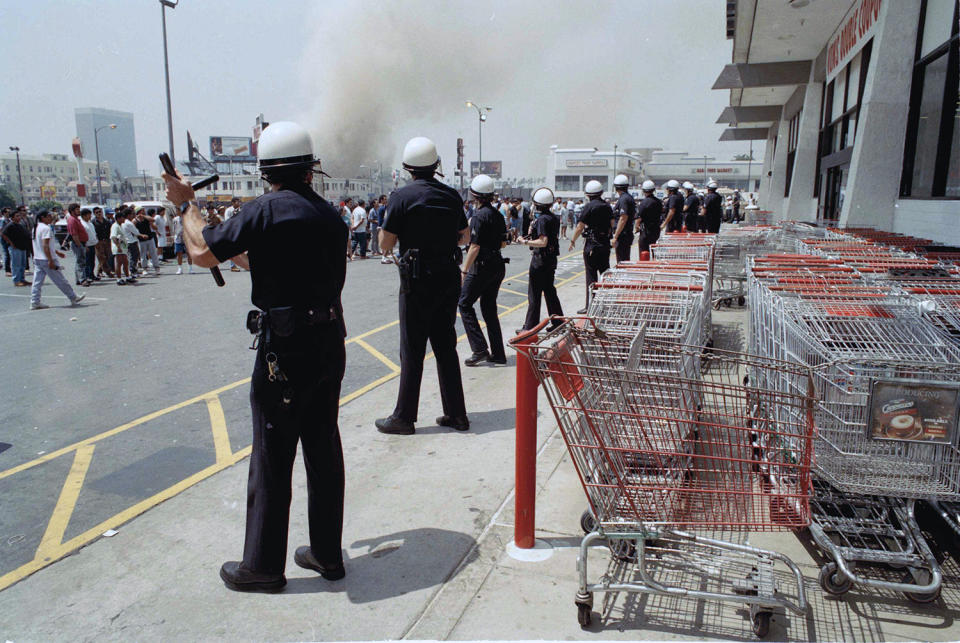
x,y
54,177
698,169
118,146
569,169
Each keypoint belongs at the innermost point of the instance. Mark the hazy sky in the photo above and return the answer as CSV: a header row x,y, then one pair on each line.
x,y
365,76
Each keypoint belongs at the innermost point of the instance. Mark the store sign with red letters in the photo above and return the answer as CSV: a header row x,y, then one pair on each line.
x,y
856,28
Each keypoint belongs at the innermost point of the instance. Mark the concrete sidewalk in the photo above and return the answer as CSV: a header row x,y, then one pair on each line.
x,y
429,520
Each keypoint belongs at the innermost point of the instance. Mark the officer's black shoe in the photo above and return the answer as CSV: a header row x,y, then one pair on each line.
x,y
582,311
497,360
395,426
240,579
460,423
304,558
476,358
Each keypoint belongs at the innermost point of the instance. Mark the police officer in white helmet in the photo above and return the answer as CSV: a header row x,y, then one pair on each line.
x,y
712,208
674,207
625,211
483,270
649,212
544,244
295,386
426,217
594,225
691,208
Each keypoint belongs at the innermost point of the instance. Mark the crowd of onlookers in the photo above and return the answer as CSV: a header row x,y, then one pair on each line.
x,y
123,244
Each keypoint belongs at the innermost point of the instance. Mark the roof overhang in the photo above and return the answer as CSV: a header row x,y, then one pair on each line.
x,y
748,75
753,114
745,134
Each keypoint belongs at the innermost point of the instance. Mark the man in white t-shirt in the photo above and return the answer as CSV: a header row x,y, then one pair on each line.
x,y
46,263
234,209
358,229
162,242
179,248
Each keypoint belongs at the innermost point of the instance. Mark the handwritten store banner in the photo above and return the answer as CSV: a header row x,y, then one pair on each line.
x,y
856,28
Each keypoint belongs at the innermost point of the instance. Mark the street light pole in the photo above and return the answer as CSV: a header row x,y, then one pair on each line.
x,y
614,161
96,144
166,69
483,117
15,148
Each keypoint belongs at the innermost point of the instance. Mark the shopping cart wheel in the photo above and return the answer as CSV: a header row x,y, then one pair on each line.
x,y
741,300
831,581
588,522
923,576
583,614
761,624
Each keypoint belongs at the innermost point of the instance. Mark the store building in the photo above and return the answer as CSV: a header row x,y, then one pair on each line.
x,y
856,103
736,175
53,177
569,169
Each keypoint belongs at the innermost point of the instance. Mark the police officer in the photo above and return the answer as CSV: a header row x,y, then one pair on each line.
x,y
594,225
712,208
544,245
295,386
626,210
648,217
691,208
427,218
673,207
483,269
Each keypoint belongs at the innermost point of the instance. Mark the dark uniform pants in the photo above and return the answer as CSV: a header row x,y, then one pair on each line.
x,y
429,311
541,283
713,224
596,260
692,222
676,223
650,236
483,284
624,242
313,360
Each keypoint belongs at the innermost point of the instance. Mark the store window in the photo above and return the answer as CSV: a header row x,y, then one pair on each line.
x,y
602,180
568,184
931,167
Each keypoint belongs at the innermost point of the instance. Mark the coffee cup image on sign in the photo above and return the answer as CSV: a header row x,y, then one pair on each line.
x,y
913,411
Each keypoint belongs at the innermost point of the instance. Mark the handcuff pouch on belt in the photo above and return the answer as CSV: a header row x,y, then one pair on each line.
x,y
282,322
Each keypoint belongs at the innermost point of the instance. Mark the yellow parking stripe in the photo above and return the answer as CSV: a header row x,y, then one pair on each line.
x,y
120,429
218,424
53,536
380,356
513,292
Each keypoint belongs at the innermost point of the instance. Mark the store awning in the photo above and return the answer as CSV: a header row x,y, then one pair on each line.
x,y
751,114
745,134
745,75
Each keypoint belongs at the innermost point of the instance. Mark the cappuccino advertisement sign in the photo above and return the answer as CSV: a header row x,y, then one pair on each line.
x,y
912,411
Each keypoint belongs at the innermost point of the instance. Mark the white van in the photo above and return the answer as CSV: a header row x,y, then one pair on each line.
x,y
153,205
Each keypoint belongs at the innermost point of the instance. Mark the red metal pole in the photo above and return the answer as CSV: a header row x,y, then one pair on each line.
x,y
526,454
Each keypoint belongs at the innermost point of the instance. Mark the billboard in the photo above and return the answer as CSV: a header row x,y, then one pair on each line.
x,y
232,148
493,169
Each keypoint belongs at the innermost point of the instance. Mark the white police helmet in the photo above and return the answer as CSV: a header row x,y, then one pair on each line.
x,y
543,196
284,144
593,188
673,184
482,185
648,186
687,185
621,181
420,153
712,185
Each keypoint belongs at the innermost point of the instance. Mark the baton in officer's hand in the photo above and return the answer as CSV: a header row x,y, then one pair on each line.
x,y
202,183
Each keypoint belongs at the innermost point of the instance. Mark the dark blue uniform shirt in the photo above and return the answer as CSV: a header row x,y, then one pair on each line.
x,y
428,215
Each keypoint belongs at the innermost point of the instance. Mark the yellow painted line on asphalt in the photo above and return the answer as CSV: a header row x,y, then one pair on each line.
x,y
53,536
380,356
357,338
218,424
120,429
513,292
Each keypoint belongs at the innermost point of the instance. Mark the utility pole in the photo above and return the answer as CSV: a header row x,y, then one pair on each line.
x,y
146,194
166,70
15,148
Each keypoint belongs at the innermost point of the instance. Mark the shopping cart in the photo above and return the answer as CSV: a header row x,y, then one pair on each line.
x,y
669,450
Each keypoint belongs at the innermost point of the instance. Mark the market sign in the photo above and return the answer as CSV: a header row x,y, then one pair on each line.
x,y
856,28
717,170
586,162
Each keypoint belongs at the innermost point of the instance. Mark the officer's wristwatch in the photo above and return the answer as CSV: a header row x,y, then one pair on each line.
x,y
185,206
